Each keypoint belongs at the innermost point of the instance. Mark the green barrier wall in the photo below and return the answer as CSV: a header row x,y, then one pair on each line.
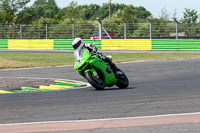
x,y
63,44
97,42
30,44
66,44
193,44
3,44
186,44
126,44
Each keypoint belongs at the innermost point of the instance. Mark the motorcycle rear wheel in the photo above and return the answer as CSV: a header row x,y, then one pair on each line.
x,y
95,81
122,81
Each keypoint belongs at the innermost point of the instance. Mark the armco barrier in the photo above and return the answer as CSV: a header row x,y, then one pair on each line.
x,y
104,44
126,44
3,44
66,44
97,42
63,44
30,44
182,44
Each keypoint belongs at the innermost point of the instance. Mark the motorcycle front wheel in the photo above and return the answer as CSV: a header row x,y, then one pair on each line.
x,y
95,81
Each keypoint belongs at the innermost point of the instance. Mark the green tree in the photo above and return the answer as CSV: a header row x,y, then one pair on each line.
x,y
89,12
9,9
164,14
72,10
130,17
189,23
130,14
26,16
39,3
45,8
59,17
103,11
142,13
190,16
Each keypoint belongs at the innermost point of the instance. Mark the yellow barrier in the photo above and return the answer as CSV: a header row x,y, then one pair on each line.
x,y
31,44
126,44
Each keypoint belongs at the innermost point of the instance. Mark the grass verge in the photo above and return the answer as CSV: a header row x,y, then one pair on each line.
x,y
24,59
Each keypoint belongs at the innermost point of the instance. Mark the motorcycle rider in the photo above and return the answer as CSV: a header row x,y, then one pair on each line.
x,y
79,46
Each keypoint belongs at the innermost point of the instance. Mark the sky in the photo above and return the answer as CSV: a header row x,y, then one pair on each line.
x,y
154,6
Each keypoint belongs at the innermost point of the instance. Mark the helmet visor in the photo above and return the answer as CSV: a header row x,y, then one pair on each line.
x,y
77,44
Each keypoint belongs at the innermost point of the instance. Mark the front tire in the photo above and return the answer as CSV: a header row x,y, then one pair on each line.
x,y
122,81
95,81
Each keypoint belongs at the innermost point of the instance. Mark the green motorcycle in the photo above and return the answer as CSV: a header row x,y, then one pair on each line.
x,y
98,72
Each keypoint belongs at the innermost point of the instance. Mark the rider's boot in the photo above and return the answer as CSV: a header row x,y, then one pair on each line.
x,y
112,65
114,68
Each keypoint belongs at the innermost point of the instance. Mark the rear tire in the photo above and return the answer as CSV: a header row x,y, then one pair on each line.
x,y
122,81
95,81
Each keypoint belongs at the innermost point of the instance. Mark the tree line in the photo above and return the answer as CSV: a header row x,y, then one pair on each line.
x,y
13,12
16,12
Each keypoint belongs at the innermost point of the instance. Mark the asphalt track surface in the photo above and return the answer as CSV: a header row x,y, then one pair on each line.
x,y
156,88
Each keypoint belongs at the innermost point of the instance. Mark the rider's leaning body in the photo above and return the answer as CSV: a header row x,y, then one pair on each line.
x,y
79,47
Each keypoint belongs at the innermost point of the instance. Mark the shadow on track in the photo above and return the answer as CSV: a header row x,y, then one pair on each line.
x,y
116,88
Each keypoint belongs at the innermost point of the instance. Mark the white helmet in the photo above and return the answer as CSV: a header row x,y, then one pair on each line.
x,y
77,42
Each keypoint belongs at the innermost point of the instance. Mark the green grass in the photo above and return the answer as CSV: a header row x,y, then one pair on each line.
x,y
26,59
119,57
